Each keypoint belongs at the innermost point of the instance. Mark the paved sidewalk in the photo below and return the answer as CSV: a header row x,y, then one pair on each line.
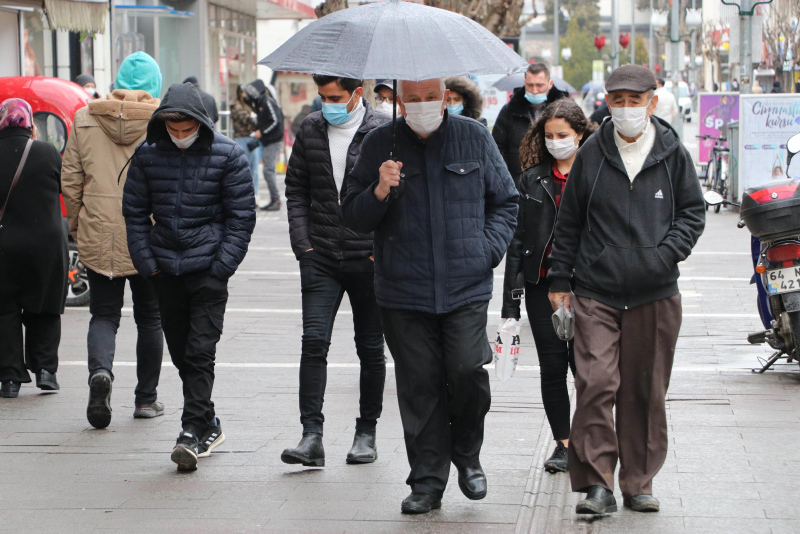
x,y
733,466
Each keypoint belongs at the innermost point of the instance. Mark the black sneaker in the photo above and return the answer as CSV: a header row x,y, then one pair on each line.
x,y
212,439
275,205
185,452
98,412
557,463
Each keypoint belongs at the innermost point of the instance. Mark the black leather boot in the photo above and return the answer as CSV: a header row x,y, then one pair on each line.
x,y
308,452
9,389
420,503
598,500
46,381
364,450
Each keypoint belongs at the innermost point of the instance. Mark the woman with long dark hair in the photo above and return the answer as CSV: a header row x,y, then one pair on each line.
x,y
33,253
547,153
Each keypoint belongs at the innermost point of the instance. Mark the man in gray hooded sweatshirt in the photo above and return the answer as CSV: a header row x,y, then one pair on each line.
x,y
632,210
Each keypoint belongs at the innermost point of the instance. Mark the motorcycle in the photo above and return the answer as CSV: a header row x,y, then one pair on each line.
x,y
771,212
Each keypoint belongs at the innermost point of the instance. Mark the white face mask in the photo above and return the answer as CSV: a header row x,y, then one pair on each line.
x,y
629,122
424,117
91,90
384,107
562,148
187,141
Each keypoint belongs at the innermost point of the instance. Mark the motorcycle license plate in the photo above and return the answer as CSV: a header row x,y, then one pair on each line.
x,y
783,280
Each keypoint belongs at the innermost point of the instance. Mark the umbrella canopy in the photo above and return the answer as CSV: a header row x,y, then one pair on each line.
x,y
592,86
396,40
511,82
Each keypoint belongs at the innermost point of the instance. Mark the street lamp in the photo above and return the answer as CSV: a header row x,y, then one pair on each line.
x,y
694,20
746,9
675,38
566,53
657,20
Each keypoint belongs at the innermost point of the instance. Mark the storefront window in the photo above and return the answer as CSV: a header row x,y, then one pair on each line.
x,y
33,34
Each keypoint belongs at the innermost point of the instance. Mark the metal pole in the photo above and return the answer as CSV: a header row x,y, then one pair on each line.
x,y
652,52
523,52
675,42
745,52
556,52
614,36
633,32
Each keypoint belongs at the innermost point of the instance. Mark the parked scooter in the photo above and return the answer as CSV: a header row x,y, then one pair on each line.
x,y
771,212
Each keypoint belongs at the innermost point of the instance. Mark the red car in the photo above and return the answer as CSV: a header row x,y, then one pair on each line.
x,y
54,102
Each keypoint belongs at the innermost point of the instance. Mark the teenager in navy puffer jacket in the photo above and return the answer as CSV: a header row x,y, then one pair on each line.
x,y
196,185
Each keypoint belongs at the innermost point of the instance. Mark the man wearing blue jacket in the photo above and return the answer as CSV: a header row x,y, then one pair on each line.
x,y
196,185
443,215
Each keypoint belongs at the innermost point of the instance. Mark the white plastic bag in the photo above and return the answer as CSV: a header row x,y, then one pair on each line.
x,y
506,349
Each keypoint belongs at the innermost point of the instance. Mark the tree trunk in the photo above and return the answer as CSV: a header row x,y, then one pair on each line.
x,y
329,6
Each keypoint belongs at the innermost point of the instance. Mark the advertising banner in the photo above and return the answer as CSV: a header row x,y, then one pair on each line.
x,y
493,98
717,110
767,122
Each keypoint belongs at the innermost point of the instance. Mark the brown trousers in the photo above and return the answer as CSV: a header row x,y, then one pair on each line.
x,y
622,358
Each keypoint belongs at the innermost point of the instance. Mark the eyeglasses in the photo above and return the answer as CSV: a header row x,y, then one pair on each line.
x,y
381,99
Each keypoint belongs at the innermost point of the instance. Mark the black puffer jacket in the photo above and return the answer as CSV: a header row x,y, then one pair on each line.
x,y
512,124
313,203
536,222
201,198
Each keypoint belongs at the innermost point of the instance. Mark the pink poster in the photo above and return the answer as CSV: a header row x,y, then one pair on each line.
x,y
716,111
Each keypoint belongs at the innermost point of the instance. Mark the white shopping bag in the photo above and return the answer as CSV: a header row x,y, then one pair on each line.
x,y
506,350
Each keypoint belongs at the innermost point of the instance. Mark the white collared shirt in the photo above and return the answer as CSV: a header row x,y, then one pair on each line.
x,y
634,154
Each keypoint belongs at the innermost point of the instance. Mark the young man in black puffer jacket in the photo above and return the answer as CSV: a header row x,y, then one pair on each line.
x,y
196,186
333,260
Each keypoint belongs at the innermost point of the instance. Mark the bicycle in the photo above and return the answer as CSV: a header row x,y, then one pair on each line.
x,y
716,178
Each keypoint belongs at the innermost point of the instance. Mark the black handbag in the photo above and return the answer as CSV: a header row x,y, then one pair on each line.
x,y
16,178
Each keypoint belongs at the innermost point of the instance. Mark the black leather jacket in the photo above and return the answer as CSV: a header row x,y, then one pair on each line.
x,y
535,224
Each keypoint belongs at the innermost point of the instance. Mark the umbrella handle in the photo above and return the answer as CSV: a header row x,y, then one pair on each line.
x,y
399,191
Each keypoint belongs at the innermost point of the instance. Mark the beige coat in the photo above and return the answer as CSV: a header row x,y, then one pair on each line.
x,y
104,136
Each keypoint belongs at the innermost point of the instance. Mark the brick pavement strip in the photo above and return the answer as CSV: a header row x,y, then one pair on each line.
x,y
733,464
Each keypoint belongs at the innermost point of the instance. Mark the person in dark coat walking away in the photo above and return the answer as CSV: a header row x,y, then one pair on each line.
x,y
196,185
33,254
632,210
209,102
516,117
437,239
776,87
270,130
104,137
465,98
333,260
244,126
547,153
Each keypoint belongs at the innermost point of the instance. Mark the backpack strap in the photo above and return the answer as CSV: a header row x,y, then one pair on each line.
x,y
16,177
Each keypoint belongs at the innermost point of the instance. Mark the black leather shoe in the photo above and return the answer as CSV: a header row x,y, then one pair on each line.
x,y
598,500
642,503
420,503
472,481
98,412
363,450
308,452
46,381
557,463
9,389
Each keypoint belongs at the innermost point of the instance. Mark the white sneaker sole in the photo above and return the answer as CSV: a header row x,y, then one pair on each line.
x,y
185,458
216,443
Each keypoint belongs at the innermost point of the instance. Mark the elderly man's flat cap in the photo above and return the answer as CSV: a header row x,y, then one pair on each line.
x,y
631,78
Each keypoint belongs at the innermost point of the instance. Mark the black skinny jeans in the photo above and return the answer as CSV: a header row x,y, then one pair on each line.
x,y
107,298
442,389
323,284
37,350
555,357
192,311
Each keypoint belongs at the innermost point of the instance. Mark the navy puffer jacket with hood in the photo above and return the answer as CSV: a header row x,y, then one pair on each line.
x,y
201,199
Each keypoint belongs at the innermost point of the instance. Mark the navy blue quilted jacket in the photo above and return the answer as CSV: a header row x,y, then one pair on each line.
x,y
201,199
436,246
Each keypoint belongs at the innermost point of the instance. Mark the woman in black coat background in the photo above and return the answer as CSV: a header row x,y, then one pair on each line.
x,y
33,255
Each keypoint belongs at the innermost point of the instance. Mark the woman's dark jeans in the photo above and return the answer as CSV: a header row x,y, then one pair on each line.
x,y
324,283
106,307
555,357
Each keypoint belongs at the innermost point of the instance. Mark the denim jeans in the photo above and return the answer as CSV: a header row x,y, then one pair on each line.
x,y
253,157
192,313
323,284
269,155
106,309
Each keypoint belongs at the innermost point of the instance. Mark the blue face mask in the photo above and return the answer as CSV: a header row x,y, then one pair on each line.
x,y
455,110
337,113
536,99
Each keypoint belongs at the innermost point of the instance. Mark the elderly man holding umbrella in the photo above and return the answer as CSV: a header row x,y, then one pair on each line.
x,y
439,197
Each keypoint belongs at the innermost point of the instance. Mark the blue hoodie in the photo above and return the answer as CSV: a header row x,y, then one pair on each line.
x,y
139,71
